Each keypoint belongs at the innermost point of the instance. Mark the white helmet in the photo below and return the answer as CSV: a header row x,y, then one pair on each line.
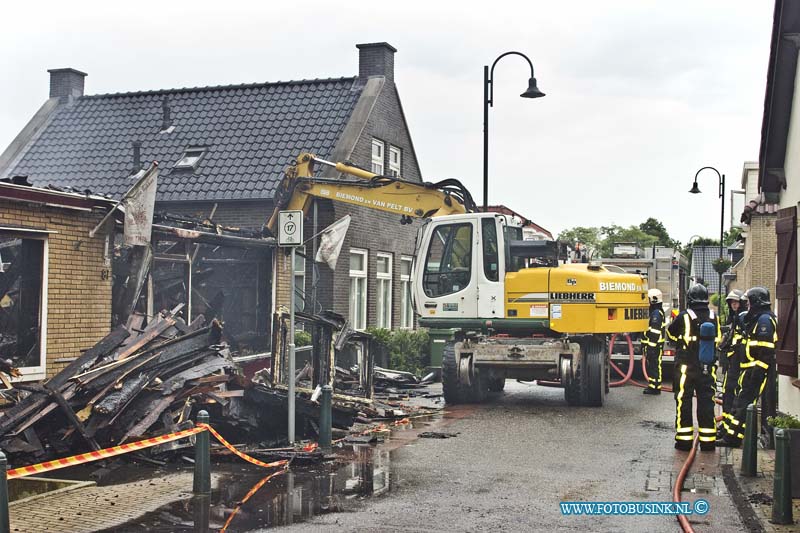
x,y
655,296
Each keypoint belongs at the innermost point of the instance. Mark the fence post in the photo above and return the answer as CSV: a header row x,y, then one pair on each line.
x,y
202,458
750,447
5,525
782,481
325,418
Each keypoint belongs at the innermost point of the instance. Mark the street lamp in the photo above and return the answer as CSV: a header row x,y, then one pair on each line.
x,y
695,190
488,100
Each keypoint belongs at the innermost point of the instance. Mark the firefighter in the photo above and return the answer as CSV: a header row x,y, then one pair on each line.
x,y
653,342
695,332
732,351
760,336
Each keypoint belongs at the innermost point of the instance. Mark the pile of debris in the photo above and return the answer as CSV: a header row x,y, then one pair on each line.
x,y
136,381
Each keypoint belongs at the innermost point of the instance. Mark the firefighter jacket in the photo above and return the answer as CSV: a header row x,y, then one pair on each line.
x,y
761,334
655,334
685,332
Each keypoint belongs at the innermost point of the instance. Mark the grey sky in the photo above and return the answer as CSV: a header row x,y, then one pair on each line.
x,y
640,94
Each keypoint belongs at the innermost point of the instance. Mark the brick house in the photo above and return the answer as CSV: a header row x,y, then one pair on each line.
x,y
757,267
222,150
55,283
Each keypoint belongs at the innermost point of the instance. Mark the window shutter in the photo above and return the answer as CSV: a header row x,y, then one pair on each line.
x,y
786,292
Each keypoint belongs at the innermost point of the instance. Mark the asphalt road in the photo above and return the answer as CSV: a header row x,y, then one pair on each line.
x,y
520,454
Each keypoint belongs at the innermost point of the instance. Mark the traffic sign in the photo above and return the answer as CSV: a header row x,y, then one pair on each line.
x,y
290,228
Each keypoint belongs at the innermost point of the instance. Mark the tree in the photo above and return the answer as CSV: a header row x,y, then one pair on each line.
x,y
580,234
655,227
731,236
614,234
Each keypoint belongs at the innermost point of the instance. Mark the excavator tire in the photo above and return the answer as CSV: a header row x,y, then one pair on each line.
x,y
593,374
572,391
497,385
454,392
478,389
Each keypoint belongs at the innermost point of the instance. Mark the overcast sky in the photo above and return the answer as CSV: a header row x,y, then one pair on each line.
x,y
640,94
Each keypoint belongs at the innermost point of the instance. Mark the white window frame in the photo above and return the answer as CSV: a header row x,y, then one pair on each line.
x,y
358,277
31,373
378,159
191,157
395,168
406,307
299,277
383,316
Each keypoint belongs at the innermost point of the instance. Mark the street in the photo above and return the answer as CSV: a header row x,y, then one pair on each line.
x,y
517,456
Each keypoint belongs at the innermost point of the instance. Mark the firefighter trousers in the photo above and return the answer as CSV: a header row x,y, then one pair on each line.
x,y
653,365
729,385
752,381
690,381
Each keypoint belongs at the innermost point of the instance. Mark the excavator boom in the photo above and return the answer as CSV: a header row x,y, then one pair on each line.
x,y
392,195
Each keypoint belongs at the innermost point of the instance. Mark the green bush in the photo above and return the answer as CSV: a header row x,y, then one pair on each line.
x,y
302,338
408,349
784,421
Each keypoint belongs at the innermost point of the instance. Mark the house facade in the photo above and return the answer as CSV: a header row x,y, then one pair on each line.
x,y
757,222
55,282
779,183
221,152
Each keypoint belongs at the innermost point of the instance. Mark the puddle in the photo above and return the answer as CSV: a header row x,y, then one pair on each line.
x,y
27,488
361,471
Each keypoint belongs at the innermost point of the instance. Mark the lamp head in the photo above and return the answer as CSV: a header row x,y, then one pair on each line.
x,y
695,189
533,91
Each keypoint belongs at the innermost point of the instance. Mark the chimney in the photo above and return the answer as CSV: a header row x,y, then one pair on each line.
x,y
376,59
166,118
66,83
137,156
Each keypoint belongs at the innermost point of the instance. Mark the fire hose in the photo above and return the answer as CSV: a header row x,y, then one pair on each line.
x,y
626,377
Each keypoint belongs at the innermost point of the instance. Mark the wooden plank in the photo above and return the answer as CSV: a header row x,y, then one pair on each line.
x,y
73,419
154,412
109,343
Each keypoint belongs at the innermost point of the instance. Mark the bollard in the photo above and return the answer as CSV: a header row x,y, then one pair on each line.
x,y
325,418
5,525
202,458
750,446
782,487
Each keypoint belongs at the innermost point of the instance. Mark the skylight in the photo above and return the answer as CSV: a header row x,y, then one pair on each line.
x,y
190,158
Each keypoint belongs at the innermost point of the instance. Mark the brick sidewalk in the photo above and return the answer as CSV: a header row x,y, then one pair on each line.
x,y
95,508
758,490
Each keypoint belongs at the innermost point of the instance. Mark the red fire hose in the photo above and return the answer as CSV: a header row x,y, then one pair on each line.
x,y
631,362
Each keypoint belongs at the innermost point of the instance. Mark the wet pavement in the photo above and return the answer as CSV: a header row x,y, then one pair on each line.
x,y
505,467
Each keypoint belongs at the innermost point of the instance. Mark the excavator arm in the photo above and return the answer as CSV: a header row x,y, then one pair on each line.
x,y
392,195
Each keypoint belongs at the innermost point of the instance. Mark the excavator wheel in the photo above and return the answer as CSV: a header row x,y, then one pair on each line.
x,y
454,393
497,384
593,374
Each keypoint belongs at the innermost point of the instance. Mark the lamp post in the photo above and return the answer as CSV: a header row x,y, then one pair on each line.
x,y
695,190
488,101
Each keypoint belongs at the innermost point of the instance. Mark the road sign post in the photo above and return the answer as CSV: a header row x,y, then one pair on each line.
x,y
290,234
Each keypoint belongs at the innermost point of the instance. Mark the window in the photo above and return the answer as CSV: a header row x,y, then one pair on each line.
x,y
191,158
300,278
22,305
490,256
406,308
377,156
358,289
448,267
395,161
383,273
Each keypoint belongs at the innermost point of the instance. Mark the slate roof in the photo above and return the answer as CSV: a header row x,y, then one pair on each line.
x,y
252,132
703,265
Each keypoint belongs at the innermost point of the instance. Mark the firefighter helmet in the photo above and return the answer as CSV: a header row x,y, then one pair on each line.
x,y
735,295
758,297
655,296
696,295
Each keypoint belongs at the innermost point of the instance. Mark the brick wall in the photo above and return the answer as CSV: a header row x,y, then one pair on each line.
x,y
757,268
78,298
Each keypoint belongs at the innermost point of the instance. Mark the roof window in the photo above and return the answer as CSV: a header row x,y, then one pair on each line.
x,y
191,158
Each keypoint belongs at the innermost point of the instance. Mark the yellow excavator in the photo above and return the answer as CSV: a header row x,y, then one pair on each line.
x,y
518,313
